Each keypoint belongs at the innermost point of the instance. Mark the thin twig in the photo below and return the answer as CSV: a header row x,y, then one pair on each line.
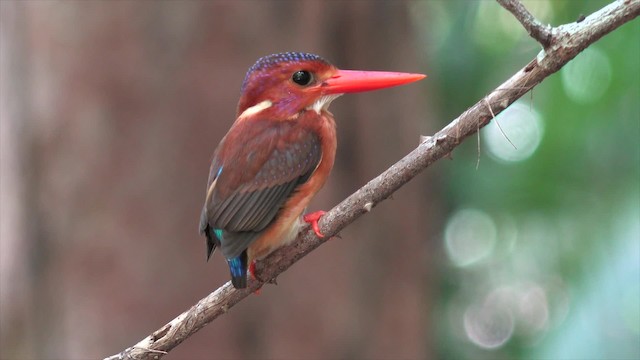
x,y
479,147
569,40
493,116
542,33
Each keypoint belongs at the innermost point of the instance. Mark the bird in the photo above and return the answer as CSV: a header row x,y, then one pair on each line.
x,y
277,155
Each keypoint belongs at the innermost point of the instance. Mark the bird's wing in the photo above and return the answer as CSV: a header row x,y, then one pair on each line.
x,y
250,181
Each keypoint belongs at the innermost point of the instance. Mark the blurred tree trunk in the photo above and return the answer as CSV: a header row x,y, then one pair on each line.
x,y
118,109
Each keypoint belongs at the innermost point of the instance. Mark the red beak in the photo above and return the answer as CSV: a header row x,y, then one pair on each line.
x,y
349,81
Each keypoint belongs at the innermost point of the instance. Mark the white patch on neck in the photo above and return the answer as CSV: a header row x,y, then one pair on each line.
x,y
255,109
323,103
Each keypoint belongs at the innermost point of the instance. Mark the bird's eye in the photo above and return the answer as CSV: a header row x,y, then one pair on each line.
x,y
302,77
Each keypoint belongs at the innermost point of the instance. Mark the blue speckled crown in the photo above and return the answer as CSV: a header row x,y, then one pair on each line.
x,y
273,59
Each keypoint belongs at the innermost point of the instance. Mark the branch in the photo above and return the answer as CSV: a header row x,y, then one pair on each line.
x,y
565,42
535,28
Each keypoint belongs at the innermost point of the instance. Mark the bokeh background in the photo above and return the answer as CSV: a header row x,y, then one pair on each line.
x,y
110,112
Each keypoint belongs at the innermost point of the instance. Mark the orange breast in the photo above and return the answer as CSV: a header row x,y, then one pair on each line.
x,y
285,227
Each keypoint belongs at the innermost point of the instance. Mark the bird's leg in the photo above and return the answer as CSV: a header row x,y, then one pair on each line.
x,y
312,218
252,272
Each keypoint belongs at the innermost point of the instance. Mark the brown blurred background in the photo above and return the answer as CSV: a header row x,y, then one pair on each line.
x,y
110,114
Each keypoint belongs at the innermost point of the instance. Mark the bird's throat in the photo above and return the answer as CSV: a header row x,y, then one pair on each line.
x,y
323,103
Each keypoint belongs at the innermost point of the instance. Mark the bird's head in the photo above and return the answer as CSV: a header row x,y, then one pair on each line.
x,y
285,84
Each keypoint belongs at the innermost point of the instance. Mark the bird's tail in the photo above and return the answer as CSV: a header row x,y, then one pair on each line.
x,y
238,268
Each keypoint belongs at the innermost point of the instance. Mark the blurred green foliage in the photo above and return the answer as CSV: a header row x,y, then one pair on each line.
x,y
560,277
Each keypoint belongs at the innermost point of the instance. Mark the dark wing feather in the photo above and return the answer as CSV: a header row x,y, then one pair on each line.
x,y
212,239
256,180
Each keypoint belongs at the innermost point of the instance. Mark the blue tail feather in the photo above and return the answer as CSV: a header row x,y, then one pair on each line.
x,y
238,269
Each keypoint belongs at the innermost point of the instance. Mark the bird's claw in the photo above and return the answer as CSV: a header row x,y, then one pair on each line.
x,y
312,218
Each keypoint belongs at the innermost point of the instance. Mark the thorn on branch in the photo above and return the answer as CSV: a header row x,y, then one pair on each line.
x,y
441,138
424,138
540,32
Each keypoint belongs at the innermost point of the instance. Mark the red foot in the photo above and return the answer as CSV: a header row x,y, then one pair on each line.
x,y
312,218
252,272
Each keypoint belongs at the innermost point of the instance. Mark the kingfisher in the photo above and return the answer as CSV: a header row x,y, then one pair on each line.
x,y
277,155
